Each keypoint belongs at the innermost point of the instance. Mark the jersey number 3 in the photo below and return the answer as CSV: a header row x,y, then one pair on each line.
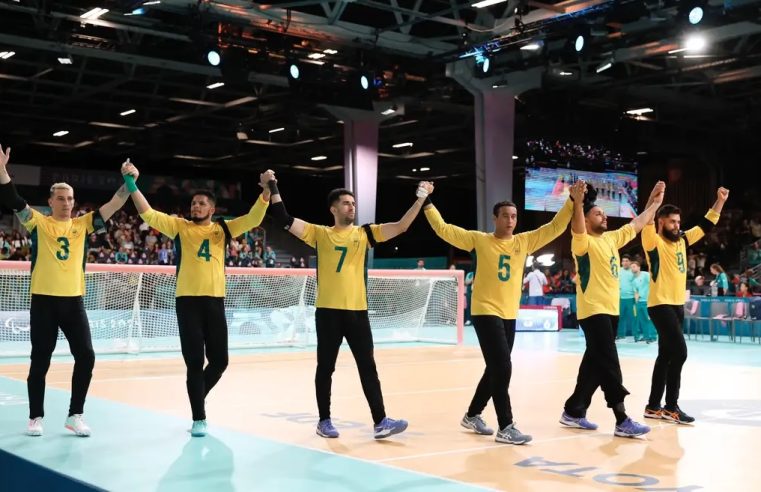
x,y
63,252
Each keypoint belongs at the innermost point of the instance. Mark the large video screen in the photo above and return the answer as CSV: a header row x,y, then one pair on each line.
x,y
547,189
552,167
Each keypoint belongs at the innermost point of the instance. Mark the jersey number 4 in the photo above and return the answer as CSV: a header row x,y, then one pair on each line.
x,y
203,251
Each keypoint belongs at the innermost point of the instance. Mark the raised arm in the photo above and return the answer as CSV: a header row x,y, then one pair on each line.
x,y
9,197
578,224
295,226
721,198
108,209
551,230
390,230
650,200
141,204
252,219
647,217
456,236
158,220
710,219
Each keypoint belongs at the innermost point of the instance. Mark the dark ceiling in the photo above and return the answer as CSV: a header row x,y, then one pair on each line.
x,y
153,62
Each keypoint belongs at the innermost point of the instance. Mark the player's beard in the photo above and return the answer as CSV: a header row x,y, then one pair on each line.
x,y
599,229
198,220
347,220
672,236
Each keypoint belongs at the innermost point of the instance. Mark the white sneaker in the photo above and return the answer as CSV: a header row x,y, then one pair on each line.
x,y
35,427
76,424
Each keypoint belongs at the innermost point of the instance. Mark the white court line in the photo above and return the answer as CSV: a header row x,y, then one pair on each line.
x,y
497,445
578,435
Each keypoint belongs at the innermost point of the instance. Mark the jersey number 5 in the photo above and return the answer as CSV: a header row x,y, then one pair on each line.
x,y
504,268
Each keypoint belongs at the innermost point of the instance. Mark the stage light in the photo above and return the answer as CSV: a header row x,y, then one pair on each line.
x,y
294,72
695,15
213,57
579,43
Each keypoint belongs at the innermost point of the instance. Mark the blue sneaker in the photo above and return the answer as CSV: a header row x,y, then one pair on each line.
x,y
198,429
325,429
577,423
389,427
630,428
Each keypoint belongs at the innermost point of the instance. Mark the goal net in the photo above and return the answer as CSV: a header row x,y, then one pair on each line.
x,y
131,308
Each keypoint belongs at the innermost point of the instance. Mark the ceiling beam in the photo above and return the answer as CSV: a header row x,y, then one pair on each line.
x,y
309,26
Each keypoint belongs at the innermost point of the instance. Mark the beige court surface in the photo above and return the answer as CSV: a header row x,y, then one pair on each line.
x,y
272,395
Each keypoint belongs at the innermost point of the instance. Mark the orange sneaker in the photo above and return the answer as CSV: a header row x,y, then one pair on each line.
x,y
653,413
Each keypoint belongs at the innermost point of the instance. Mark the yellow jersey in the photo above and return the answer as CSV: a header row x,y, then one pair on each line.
x,y
341,264
597,263
499,262
58,254
201,248
667,262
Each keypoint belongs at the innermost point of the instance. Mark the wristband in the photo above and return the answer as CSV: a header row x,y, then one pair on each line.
x,y
129,180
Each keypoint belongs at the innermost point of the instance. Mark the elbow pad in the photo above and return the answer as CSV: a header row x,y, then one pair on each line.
x,y
10,197
706,225
280,215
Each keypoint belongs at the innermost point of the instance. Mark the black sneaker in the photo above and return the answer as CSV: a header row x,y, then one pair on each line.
x,y
677,416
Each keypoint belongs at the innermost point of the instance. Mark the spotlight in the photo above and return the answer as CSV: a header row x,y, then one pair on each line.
x,y
213,57
579,43
695,42
364,82
695,15
293,71
484,64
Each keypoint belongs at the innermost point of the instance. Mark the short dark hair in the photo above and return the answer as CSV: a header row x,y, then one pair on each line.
x,y
336,195
506,203
589,200
667,210
626,257
208,194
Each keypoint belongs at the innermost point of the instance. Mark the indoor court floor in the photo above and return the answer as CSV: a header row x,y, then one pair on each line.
x,y
262,417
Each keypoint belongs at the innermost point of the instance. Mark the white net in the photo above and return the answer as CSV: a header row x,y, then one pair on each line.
x,y
132,308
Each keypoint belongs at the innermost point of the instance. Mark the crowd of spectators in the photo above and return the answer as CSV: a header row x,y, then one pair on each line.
x,y
567,154
130,241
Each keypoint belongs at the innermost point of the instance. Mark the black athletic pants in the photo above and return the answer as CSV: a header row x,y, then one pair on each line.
x,y
47,314
332,326
203,328
672,353
496,337
599,367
